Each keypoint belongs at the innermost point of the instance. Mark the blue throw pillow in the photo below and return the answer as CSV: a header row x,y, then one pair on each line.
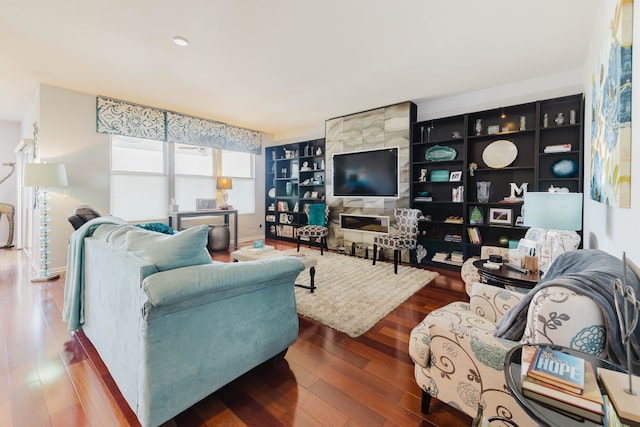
x,y
157,226
316,214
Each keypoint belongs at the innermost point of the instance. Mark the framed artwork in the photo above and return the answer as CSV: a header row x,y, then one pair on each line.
x,y
206,204
500,216
455,176
476,217
611,113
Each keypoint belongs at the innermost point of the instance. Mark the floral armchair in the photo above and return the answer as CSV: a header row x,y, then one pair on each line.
x,y
459,361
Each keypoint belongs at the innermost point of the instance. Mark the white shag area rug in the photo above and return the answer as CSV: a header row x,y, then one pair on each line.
x,y
351,294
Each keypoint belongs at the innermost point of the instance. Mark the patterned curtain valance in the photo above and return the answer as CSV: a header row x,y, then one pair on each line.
x,y
124,118
183,129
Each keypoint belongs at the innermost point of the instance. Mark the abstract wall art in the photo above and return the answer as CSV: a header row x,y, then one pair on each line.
x,y
611,113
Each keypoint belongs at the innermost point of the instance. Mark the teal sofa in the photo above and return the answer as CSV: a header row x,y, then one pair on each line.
x,y
172,326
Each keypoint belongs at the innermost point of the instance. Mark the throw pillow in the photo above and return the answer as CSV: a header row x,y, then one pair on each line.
x,y
157,226
317,214
185,248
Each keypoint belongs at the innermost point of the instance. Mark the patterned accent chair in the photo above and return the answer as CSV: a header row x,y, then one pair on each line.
x,y
316,228
459,361
405,238
470,274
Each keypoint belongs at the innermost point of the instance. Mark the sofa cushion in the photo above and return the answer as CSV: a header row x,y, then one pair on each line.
x,y
185,248
166,252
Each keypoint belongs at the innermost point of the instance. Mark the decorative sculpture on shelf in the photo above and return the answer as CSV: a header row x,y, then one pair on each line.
x,y
8,209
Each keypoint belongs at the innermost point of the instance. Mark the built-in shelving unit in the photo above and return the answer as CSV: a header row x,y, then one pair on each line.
x,y
294,177
527,135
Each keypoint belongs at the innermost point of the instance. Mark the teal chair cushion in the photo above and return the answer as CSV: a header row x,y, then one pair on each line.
x,y
317,214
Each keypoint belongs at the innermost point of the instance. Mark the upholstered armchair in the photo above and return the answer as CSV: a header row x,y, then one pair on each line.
x,y
459,361
470,274
316,228
405,238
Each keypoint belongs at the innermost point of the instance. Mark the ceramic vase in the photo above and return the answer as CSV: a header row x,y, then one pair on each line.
x,y
483,191
478,126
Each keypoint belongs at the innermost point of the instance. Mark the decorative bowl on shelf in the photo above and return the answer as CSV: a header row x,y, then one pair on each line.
x,y
440,153
564,168
500,154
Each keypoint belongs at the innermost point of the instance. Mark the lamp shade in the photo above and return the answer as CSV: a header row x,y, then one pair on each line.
x,y
224,183
45,175
553,211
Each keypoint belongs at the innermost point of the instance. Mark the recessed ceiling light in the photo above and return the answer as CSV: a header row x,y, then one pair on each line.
x,y
181,41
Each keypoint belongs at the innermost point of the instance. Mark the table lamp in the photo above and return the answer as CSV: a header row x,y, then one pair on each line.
x,y
224,184
560,214
44,175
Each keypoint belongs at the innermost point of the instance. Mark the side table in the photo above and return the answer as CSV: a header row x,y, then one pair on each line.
x,y
504,276
547,416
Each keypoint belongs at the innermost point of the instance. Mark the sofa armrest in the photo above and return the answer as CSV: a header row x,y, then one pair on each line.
x,y
202,284
492,302
559,316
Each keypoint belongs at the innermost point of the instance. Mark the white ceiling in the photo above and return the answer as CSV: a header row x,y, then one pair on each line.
x,y
280,66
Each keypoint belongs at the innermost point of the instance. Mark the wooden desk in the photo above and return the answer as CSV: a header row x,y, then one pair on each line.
x,y
504,276
176,217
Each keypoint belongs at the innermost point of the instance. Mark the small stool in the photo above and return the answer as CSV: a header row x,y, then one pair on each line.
x,y
219,237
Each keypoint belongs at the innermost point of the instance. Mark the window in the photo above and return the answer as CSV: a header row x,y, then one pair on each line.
x,y
139,181
240,168
143,183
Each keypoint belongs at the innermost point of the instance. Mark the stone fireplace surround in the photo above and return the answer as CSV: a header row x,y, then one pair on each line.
x,y
369,130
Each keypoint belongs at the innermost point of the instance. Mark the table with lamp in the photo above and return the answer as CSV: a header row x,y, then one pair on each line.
x,y
223,184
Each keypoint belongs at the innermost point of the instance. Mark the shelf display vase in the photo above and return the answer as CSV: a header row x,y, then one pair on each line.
x,y
483,191
478,127
288,189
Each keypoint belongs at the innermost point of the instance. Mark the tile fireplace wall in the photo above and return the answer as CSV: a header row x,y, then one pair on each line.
x,y
368,130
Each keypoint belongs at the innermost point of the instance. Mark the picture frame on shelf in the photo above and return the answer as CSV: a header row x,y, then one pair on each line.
x,y
206,204
455,176
493,129
503,216
520,220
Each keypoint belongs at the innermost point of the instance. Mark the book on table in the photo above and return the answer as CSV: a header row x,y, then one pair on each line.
x,y
559,369
588,404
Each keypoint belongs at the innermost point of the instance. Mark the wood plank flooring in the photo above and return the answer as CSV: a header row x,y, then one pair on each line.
x,y
51,377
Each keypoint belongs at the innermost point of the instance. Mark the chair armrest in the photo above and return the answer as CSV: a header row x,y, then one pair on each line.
x,y
492,302
420,337
469,274
559,316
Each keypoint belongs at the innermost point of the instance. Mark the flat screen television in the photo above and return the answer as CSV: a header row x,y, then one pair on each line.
x,y
371,173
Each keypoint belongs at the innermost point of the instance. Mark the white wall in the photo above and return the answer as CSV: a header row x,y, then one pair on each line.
x,y
9,138
67,124
612,229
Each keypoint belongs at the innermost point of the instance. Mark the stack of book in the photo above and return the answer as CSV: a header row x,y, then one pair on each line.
x,y
563,382
441,257
560,148
457,257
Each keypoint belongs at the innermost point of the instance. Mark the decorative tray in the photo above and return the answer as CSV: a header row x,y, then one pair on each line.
x,y
440,153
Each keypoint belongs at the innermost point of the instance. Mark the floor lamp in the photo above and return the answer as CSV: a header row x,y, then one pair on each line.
x,y
224,184
44,175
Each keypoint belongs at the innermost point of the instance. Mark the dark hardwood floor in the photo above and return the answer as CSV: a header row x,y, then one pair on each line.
x,y
51,377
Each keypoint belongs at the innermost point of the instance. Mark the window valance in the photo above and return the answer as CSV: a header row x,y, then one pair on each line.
x,y
125,118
